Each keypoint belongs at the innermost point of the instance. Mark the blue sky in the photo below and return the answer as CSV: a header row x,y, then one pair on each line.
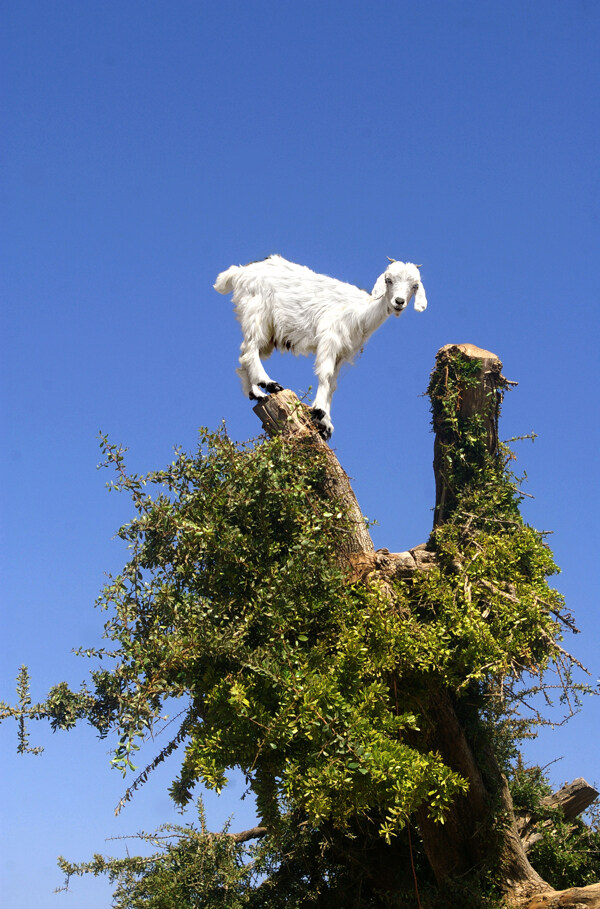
x,y
149,145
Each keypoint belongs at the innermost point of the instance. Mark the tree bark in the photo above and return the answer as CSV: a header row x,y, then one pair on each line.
x,y
283,414
255,833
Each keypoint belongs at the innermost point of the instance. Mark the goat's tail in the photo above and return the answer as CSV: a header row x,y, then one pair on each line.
x,y
224,282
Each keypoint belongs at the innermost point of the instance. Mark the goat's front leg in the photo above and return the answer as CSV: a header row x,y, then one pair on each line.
x,y
253,374
327,372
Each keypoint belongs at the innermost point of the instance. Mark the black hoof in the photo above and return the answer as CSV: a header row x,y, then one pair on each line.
x,y
317,416
271,387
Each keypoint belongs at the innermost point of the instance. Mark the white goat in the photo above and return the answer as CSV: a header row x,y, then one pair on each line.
x,y
285,306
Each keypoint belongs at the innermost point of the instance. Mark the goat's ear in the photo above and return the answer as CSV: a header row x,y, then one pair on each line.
x,y
420,299
380,287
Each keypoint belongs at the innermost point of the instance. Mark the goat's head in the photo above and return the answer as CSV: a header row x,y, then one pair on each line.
x,y
400,282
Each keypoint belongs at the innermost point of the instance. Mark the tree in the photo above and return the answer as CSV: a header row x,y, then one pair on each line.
x,y
368,697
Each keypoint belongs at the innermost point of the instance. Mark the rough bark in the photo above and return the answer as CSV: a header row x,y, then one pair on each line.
x,y
382,564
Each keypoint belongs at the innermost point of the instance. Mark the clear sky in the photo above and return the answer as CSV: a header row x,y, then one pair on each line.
x,y
149,145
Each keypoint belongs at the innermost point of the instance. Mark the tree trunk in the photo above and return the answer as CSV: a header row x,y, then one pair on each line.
x,y
470,833
473,826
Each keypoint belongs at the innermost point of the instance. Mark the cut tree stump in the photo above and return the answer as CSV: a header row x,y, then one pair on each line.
x,y
473,399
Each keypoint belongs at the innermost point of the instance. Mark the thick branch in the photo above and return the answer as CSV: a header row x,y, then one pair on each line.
x,y
254,833
574,898
283,414
571,799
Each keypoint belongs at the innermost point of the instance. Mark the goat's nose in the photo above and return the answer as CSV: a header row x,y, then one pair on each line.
x,y
400,301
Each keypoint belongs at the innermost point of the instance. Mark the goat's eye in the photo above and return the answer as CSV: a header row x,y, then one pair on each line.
x,y
415,287
389,280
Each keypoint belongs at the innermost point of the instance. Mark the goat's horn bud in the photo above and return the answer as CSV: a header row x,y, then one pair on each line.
x,y
418,266
391,260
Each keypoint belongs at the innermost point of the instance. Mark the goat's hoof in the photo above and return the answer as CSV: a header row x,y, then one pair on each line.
x,y
257,397
271,387
324,427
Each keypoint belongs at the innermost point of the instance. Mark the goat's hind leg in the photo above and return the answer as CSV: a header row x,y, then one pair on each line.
x,y
253,374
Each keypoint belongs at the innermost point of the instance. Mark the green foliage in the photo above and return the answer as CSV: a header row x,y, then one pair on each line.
x,y
189,867
302,866
23,694
487,603
488,597
568,855
234,611
233,600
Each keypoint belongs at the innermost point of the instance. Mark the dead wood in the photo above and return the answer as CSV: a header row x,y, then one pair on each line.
x,y
572,799
573,898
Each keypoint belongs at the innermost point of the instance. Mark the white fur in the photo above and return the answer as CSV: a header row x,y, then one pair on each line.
x,y
289,307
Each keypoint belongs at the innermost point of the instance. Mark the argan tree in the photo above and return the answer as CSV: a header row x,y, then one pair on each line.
x,y
369,698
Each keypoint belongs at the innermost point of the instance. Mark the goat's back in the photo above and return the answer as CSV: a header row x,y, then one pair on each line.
x,y
275,278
